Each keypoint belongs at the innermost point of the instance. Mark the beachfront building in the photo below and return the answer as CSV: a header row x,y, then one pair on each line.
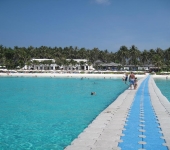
x,y
3,69
78,64
111,66
41,64
49,64
130,67
140,67
107,66
116,66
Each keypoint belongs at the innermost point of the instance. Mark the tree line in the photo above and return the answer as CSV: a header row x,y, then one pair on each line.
x,y
19,56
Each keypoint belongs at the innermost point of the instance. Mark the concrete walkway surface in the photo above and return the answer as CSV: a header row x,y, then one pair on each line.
x,y
106,132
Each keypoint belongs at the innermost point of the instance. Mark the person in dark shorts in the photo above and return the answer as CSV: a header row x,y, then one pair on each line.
x,y
126,78
131,80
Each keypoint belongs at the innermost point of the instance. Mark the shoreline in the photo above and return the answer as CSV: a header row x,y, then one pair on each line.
x,y
75,75
64,75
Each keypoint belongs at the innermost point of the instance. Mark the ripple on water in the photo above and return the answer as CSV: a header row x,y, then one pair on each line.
x,y
48,113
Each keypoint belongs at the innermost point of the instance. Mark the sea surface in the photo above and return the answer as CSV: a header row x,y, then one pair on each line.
x,y
48,113
164,85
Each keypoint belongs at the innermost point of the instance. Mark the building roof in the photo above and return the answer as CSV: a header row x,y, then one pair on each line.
x,y
78,60
40,60
110,64
150,65
98,62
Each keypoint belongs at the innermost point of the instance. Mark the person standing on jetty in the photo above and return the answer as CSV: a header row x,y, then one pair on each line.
x,y
125,78
131,80
135,83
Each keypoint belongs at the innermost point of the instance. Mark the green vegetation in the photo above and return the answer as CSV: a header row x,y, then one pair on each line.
x,y
19,56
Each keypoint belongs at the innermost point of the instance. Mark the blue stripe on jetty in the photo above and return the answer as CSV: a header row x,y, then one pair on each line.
x,y
142,127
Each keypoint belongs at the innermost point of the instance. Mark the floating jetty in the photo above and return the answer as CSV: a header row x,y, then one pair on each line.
x,y
136,120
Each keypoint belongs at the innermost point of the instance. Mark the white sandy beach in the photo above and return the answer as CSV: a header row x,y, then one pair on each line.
x,y
64,75
75,75
161,76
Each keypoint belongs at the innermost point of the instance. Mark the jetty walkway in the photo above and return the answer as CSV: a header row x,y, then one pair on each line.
x,y
136,120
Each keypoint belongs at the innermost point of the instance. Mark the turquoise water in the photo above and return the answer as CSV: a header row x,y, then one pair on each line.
x,y
164,86
48,113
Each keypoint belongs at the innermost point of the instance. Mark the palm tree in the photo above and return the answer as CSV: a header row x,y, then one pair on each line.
x,y
112,57
151,54
160,52
65,63
28,63
123,54
82,53
94,53
102,56
1,53
157,61
134,55
167,58
18,56
144,58
7,59
72,63
35,63
82,63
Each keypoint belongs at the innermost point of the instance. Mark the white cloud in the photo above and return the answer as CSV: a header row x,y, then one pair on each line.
x,y
102,1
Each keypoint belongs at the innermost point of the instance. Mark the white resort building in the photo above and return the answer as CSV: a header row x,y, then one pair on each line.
x,y
49,64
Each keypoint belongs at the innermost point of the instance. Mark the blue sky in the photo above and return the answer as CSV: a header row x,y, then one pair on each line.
x,y
105,24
